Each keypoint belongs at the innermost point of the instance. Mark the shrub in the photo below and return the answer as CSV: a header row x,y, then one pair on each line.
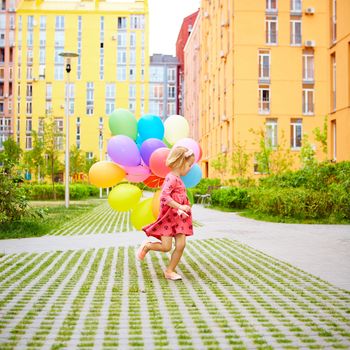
x,y
300,203
204,186
230,197
45,191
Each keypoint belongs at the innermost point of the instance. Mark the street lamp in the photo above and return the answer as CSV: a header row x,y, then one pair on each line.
x,y
67,56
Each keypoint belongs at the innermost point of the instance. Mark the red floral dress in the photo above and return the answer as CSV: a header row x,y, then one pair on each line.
x,y
169,222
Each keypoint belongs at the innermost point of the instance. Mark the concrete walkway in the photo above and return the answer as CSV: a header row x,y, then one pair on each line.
x,y
322,250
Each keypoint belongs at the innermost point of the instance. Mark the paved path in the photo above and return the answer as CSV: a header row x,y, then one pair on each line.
x,y
323,250
246,285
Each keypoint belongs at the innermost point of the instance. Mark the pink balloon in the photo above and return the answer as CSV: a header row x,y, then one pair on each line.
x,y
157,162
137,173
190,144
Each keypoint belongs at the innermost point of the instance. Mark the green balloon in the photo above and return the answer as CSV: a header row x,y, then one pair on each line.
x,y
142,214
123,122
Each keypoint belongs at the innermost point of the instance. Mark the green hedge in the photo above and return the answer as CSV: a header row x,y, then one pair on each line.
x,y
230,197
202,187
300,203
45,191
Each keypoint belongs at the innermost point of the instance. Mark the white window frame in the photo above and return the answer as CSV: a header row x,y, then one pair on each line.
x,y
294,7
272,125
306,106
269,5
296,124
262,56
308,67
262,103
269,21
293,32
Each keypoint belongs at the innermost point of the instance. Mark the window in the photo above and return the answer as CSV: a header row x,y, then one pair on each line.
x,y
121,73
334,82
132,56
122,22
334,21
308,101
110,98
171,108
59,133
29,144
132,39
30,23
59,23
89,98
29,125
271,5
59,71
156,73
137,22
41,126
334,139
271,30
264,100
171,74
132,106
79,47
132,75
42,56
295,32
264,65
142,73
171,92
30,39
29,93
308,67
121,57
271,132
295,5
89,155
132,91
59,39
156,91
122,39
48,91
42,22
296,133
29,107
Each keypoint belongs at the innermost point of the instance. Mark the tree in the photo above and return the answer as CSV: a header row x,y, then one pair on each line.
x,y
11,154
281,158
53,139
220,164
239,160
263,156
307,153
34,159
321,136
77,161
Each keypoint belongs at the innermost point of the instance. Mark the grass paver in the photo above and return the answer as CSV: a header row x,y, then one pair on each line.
x,y
231,297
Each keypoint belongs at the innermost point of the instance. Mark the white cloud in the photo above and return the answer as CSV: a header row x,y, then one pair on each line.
x,y
165,19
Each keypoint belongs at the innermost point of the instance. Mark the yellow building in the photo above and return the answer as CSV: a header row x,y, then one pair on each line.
x,y
111,71
264,65
339,63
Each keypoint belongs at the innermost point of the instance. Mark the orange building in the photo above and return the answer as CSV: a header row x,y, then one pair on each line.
x,y
264,65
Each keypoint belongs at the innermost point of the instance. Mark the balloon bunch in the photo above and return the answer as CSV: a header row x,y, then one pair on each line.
x,y
138,150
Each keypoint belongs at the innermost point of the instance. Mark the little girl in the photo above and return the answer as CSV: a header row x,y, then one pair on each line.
x,y
175,219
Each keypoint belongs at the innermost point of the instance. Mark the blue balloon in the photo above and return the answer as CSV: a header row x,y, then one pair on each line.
x,y
193,177
150,126
139,141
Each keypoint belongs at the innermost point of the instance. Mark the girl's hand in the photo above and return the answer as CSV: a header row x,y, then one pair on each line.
x,y
182,213
185,208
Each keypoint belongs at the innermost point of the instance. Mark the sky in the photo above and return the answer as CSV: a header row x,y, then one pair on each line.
x,y
165,19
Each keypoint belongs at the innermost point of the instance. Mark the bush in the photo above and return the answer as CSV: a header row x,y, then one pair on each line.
x,y
203,186
13,204
45,191
300,203
230,197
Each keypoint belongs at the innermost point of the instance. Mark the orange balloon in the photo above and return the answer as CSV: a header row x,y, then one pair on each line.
x,y
106,174
156,204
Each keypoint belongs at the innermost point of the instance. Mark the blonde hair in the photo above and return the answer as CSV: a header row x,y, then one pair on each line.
x,y
178,156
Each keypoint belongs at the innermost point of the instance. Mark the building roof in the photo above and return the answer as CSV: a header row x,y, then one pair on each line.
x,y
158,58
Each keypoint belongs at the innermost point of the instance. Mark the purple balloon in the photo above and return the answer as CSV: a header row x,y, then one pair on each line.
x,y
148,147
123,150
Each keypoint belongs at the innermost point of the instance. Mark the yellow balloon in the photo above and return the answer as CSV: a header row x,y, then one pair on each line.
x,y
142,214
124,197
176,128
106,174
156,204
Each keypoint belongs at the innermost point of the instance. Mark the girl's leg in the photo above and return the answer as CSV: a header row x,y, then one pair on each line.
x,y
163,246
180,243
